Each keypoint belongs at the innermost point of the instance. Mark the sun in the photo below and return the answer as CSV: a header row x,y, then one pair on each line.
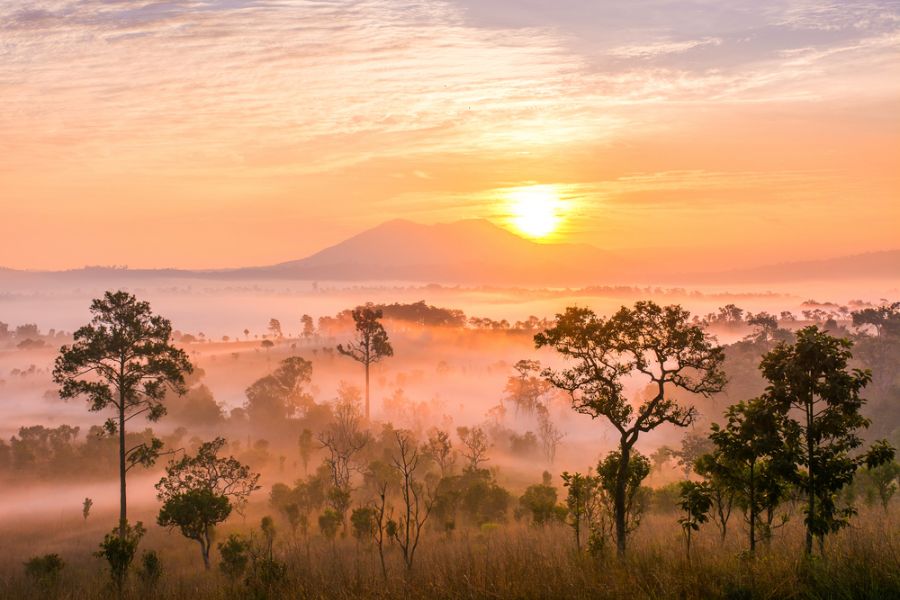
x,y
535,210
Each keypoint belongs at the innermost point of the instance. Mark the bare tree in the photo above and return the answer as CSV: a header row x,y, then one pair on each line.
x,y
417,498
548,433
439,448
343,440
476,445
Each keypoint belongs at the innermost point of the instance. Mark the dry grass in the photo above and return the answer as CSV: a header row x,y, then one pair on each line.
x,y
513,561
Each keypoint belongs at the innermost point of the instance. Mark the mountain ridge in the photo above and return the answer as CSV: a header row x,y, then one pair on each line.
x,y
476,251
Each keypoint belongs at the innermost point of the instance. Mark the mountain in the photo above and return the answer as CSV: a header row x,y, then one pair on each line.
x,y
477,252
871,265
471,251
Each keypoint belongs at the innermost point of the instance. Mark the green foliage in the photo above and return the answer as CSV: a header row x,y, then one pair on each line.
x,y
235,556
582,502
884,479
123,360
611,476
267,526
118,548
475,494
329,523
371,344
754,457
151,568
282,393
45,569
693,446
362,521
540,501
200,491
696,502
658,343
812,377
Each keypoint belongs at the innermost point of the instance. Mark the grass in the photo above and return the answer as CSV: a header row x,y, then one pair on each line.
x,y
512,561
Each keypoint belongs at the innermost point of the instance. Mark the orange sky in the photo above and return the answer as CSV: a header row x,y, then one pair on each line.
x,y
231,133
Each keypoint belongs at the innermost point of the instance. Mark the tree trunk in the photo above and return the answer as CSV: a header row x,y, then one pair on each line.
x,y
204,552
367,391
811,488
752,509
123,514
619,498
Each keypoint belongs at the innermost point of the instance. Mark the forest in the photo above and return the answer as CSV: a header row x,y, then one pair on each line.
x,y
404,450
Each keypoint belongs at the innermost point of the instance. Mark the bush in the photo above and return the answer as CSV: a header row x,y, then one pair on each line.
x,y
151,568
44,569
119,551
235,556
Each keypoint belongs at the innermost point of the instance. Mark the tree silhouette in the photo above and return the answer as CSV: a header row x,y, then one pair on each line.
x,y
275,328
371,343
282,393
199,492
811,377
123,360
752,457
659,343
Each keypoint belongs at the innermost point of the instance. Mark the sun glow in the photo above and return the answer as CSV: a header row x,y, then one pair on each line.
x,y
535,210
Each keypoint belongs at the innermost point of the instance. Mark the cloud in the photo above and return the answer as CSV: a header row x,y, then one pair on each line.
x,y
662,48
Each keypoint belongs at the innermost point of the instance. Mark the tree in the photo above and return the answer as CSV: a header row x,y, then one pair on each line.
x,y
884,319
583,502
549,433
526,390
275,328
417,499
305,445
282,393
371,344
475,442
439,448
811,377
118,548
693,446
696,502
123,360
199,492
540,501
343,440
658,343
765,327
723,494
309,329
753,458
884,479
609,472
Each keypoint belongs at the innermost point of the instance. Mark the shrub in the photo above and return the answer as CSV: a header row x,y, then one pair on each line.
x,y
44,569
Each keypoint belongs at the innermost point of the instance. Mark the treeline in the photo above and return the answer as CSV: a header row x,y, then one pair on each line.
x,y
797,444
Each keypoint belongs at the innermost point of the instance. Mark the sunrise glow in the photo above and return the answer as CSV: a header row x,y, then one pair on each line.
x,y
535,210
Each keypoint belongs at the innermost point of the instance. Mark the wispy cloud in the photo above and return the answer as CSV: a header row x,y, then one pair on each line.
x,y
662,48
233,104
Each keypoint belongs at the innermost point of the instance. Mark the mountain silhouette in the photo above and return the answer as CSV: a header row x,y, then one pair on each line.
x,y
470,251
477,252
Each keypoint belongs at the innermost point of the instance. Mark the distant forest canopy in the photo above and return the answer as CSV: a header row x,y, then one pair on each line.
x,y
39,451
863,317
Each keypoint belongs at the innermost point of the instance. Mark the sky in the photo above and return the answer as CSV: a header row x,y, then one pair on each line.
x,y
235,133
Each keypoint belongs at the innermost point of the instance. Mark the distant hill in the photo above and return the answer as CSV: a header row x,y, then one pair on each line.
x,y
871,265
471,251
477,252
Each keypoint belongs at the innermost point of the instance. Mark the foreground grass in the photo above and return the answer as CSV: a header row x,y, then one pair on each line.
x,y
513,561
